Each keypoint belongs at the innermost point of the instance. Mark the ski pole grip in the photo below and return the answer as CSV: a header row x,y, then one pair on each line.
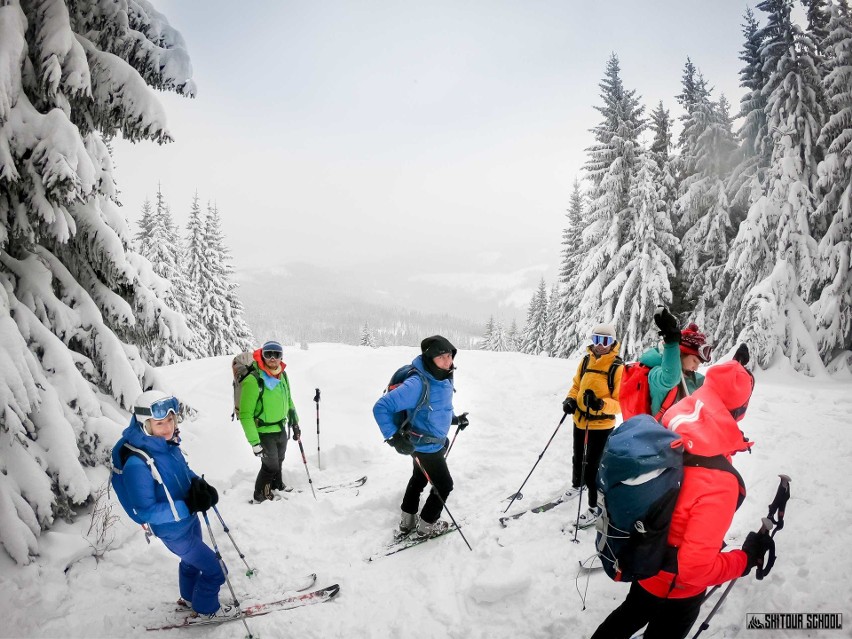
x,y
317,396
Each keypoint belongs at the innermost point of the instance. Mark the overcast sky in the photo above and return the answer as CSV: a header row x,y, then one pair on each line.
x,y
449,131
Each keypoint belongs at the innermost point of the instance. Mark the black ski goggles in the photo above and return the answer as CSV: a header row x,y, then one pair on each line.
x,y
272,354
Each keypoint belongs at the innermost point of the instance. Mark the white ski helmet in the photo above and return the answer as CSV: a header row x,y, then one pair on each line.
x,y
156,404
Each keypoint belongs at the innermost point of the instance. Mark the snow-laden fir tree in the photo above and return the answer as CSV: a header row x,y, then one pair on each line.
x,y
552,320
367,337
513,338
701,210
221,309
771,273
611,168
488,336
566,340
159,242
81,314
644,265
751,159
500,341
833,308
535,330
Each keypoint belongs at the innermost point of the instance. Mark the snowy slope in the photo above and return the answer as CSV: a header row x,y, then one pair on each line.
x,y
517,582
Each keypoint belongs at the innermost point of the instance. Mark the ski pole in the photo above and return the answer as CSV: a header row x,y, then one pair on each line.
x,y
317,400
447,454
518,494
251,571
443,503
305,461
225,570
766,524
582,481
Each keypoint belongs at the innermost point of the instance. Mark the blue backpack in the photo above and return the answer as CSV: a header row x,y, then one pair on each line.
x,y
120,454
639,479
402,419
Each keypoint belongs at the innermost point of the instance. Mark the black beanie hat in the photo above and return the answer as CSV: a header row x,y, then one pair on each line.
x,y
436,345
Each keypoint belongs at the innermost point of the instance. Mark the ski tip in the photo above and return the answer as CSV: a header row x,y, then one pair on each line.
x,y
332,590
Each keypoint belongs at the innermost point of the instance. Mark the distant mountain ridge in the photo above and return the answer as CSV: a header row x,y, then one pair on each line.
x,y
306,303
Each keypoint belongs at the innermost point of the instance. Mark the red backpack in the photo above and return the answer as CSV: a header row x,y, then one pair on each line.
x,y
634,396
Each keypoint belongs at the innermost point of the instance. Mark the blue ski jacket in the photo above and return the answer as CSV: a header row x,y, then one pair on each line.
x,y
433,420
168,520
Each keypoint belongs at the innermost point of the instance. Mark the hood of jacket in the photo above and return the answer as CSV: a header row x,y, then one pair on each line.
x,y
258,358
704,420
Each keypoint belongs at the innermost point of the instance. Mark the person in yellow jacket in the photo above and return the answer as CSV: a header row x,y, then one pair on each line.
x,y
593,401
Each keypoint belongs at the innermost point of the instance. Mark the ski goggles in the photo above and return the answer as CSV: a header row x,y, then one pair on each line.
x,y
704,352
272,354
159,409
602,340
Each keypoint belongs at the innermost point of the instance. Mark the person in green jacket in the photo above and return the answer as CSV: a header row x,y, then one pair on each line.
x,y
674,370
266,407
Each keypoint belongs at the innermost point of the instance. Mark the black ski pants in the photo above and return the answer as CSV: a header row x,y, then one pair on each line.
x,y
436,466
274,446
666,618
594,450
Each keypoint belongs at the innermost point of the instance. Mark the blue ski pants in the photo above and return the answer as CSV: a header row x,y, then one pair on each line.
x,y
199,574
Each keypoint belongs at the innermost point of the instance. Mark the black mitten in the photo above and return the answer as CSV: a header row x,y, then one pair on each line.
x,y
569,405
592,401
198,498
667,323
756,545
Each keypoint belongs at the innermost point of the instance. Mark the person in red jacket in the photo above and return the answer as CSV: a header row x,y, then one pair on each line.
x,y
707,421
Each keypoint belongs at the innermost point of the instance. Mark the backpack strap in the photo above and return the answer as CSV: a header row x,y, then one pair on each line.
x,y
610,373
423,401
155,474
717,462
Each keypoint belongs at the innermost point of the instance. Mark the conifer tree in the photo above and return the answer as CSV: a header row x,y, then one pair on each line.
x,y
643,266
81,313
367,337
745,183
573,251
611,167
774,246
833,308
487,342
552,319
512,337
536,326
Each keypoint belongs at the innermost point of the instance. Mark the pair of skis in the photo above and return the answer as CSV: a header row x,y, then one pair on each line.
x,y
404,542
186,620
357,483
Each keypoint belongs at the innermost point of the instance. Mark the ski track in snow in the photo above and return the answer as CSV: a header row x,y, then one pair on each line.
x,y
520,581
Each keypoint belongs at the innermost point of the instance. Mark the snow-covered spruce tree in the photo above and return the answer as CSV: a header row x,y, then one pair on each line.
x,y
552,319
566,339
775,240
611,168
536,326
833,308
500,339
745,183
644,265
158,241
79,310
513,337
221,309
195,260
367,338
701,210
488,336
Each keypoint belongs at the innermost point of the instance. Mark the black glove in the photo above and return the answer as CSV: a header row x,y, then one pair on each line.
x,y
401,444
297,432
462,421
756,545
667,323
742,355
569,405
199,499
592,401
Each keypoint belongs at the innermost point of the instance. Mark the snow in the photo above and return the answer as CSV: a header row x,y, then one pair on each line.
x,y
518,582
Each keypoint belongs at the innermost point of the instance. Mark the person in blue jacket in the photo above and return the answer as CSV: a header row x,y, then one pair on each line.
x,y
169,501
426,440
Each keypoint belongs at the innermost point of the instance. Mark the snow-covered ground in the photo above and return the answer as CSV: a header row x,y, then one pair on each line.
x,y
519,581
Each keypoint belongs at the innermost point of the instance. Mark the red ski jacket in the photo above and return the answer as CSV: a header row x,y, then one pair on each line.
x,y
707,423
